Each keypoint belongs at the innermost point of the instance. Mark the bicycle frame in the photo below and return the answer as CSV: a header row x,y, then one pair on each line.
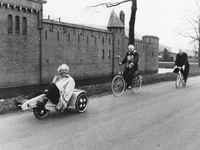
x,y
122,70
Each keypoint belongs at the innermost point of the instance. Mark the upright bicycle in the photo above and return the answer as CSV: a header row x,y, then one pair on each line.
x,y
179,79
118,84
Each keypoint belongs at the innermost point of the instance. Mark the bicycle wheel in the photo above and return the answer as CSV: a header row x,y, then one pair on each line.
x,y
178,81
118,85
136,84
182,81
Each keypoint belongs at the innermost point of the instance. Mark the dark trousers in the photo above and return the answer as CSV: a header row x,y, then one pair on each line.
x,y
128,75
53,94
185,76
35,94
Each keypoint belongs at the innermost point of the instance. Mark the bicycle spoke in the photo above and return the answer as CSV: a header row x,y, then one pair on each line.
x,y
136,84
118,85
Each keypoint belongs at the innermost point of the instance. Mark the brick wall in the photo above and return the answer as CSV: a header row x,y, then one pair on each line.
x,y
87,51
29,4
19,59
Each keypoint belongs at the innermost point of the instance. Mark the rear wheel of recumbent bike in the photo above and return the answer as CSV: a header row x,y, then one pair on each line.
x,y
136,84
81,103
40,113
118,85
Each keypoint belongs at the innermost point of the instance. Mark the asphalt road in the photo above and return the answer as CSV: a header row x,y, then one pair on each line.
x,y
160,117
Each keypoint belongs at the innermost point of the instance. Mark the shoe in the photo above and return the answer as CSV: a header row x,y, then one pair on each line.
x,y
59,106
184,83
129,87
17,104
40,104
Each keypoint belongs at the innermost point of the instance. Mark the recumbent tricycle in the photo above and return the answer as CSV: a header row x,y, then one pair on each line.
x,y
79,99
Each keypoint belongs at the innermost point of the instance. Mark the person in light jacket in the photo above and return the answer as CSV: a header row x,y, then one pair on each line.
x,y
60,90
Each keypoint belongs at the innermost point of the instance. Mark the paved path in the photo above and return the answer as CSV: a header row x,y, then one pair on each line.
x,y
160,117
164,70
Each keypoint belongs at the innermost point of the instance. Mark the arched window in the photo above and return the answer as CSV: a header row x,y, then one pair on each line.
x,y
68,37
152,53
10,24
46,34
103,53
74,31
102,40
17,24
109,54
78,38
87,39
24,25
58,36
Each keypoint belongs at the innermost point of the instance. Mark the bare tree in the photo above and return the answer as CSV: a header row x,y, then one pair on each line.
x,y
194,45
192,29
132,18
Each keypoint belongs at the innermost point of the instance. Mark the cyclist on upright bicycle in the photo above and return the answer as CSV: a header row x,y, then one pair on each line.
x,y
182,61
131,60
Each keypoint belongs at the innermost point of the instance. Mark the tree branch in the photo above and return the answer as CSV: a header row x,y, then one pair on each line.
x,y
186,34
108,4
192,24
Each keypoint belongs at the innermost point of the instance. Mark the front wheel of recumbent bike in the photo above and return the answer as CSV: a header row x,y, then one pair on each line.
x,y
40,113
81,103
118,85
136,84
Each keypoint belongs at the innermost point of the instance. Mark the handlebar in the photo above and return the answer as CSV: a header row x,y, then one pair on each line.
x,y
180,69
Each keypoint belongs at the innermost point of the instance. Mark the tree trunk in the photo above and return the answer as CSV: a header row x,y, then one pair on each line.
x,y
199,43
132,22
199,51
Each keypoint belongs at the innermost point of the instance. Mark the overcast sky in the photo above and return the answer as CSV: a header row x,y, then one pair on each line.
x,y
154,17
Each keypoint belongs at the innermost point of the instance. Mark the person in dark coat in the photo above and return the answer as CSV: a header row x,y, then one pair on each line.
x,y
182,61
131,60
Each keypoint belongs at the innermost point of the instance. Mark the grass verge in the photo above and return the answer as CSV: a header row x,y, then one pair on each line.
x,y
8,106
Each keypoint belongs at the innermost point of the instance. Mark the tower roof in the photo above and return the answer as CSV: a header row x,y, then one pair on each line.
x,y
114,21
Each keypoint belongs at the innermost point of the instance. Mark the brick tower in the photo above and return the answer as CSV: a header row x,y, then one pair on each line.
x,y
117,28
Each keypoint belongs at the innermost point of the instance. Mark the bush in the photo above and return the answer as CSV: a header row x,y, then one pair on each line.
x,y
166,65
